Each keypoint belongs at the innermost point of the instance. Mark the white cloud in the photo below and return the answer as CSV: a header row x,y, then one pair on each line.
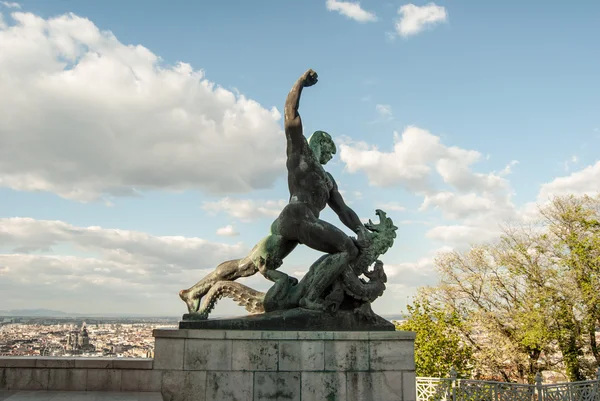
x,y
384,110
26,235
414,19
582,182
478,202
461,236
9,4
227,231
391,206
412,161
352,10
94,118
571,162
95,262
246,209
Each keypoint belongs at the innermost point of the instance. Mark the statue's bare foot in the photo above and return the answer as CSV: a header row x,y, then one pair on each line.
x,y
192,303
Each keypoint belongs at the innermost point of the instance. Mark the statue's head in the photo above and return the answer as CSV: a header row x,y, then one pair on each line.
x,y
322,146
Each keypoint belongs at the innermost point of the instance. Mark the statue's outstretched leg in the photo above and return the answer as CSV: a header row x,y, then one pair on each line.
x,y
226,271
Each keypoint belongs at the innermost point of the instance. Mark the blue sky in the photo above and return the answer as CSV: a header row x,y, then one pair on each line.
x,y
494,104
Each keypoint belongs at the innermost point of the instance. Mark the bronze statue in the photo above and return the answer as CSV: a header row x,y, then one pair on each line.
x,y
311,189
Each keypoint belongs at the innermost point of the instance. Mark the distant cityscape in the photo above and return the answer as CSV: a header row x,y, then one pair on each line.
x,y
126,337
43,332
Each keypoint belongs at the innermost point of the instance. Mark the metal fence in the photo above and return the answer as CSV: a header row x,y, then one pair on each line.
x,y
453,389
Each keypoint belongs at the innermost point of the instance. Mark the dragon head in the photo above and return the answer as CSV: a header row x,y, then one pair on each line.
x,y
384,231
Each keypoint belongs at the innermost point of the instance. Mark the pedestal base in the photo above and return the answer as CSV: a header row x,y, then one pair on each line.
x,y
291,320
285,365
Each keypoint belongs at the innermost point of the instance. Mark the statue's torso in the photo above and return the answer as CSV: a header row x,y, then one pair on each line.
x,y
308,182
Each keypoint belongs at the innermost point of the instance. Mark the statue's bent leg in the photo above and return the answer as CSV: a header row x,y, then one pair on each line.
x,y
269,253
226,271
325,237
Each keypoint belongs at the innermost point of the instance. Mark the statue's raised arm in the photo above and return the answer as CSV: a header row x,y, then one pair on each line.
x,y
292,121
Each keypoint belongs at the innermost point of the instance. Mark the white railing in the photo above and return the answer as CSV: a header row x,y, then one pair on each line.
x,y
453,389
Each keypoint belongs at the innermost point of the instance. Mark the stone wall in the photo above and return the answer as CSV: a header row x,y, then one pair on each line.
x,y
284,365
78,374
207,365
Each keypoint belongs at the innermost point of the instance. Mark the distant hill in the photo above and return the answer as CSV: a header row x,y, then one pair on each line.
x,y
35,312
55,313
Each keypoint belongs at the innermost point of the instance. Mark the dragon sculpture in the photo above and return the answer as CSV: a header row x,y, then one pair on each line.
x,y
354,289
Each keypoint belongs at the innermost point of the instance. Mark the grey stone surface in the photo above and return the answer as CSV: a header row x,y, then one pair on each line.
x,y
17,362
78,396
323,386
301,356
346,355
392,355
55,362
229,386
4,394
409,388
94,363
133,363
206,354
26,378
374,386
81,362
168,353
285,335
67,379
296,319
3,379
255,355
141,380
277,386
103,380
184,386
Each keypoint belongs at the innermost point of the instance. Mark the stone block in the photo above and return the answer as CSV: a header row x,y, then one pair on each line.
x,y
279,335
392,355
133,363
300,356
315,335
3,384
351,335
374,386
103,380
141,380
206,355
207,334
323,386
346,356
229,386
184,386
255,355
277,386
17,362
409,386
93,363
393,335
67,380
168,353
55,362
26,379
243,335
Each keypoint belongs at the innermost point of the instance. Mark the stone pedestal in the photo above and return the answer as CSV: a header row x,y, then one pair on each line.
x,y
285,365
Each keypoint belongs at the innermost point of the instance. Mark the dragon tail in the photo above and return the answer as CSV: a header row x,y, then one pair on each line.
x,y
251,300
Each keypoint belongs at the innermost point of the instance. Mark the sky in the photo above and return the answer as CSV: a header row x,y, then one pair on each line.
x,y
141,142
